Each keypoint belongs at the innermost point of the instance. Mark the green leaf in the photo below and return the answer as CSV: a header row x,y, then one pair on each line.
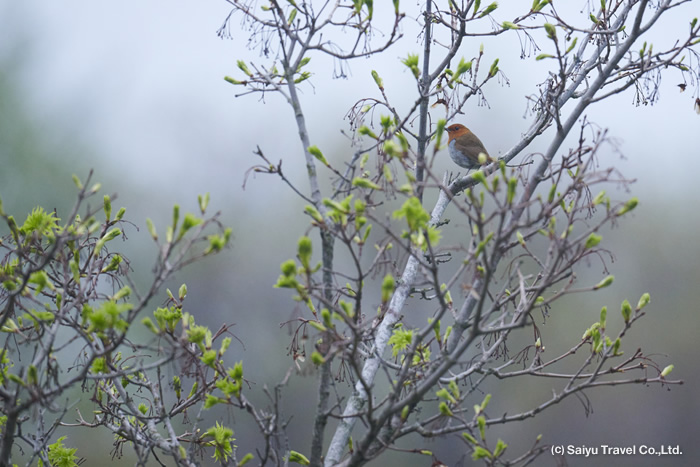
x,y
411,61
61,456
292,15
400,340
416,216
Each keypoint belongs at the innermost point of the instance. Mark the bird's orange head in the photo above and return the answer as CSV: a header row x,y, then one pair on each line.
x,y
456,130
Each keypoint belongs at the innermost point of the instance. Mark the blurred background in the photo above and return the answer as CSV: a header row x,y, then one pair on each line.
x,y
135,91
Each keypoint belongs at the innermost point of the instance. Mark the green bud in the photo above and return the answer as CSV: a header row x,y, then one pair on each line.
x,y
120,214
318,326
289,268
593,240
326,316
599,198
629,205
616,347
317,358
603,316
176,216
500,447
573,44
445,410
439,132
391,149
203,202
551,31
316,152
643,301
445,394
298,458
626,311
387,173
485,402
378,80
243,67
314,213
304,251
387,287
108,208
538,5
479,176
488,10
666,371
494,68
365,183
481,422
604,283
149,325
151,229
364,130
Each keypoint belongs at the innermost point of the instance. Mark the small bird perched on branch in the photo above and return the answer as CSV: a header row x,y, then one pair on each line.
x,y
465,147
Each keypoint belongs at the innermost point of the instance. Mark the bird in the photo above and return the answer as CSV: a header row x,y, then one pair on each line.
x,y
465,147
